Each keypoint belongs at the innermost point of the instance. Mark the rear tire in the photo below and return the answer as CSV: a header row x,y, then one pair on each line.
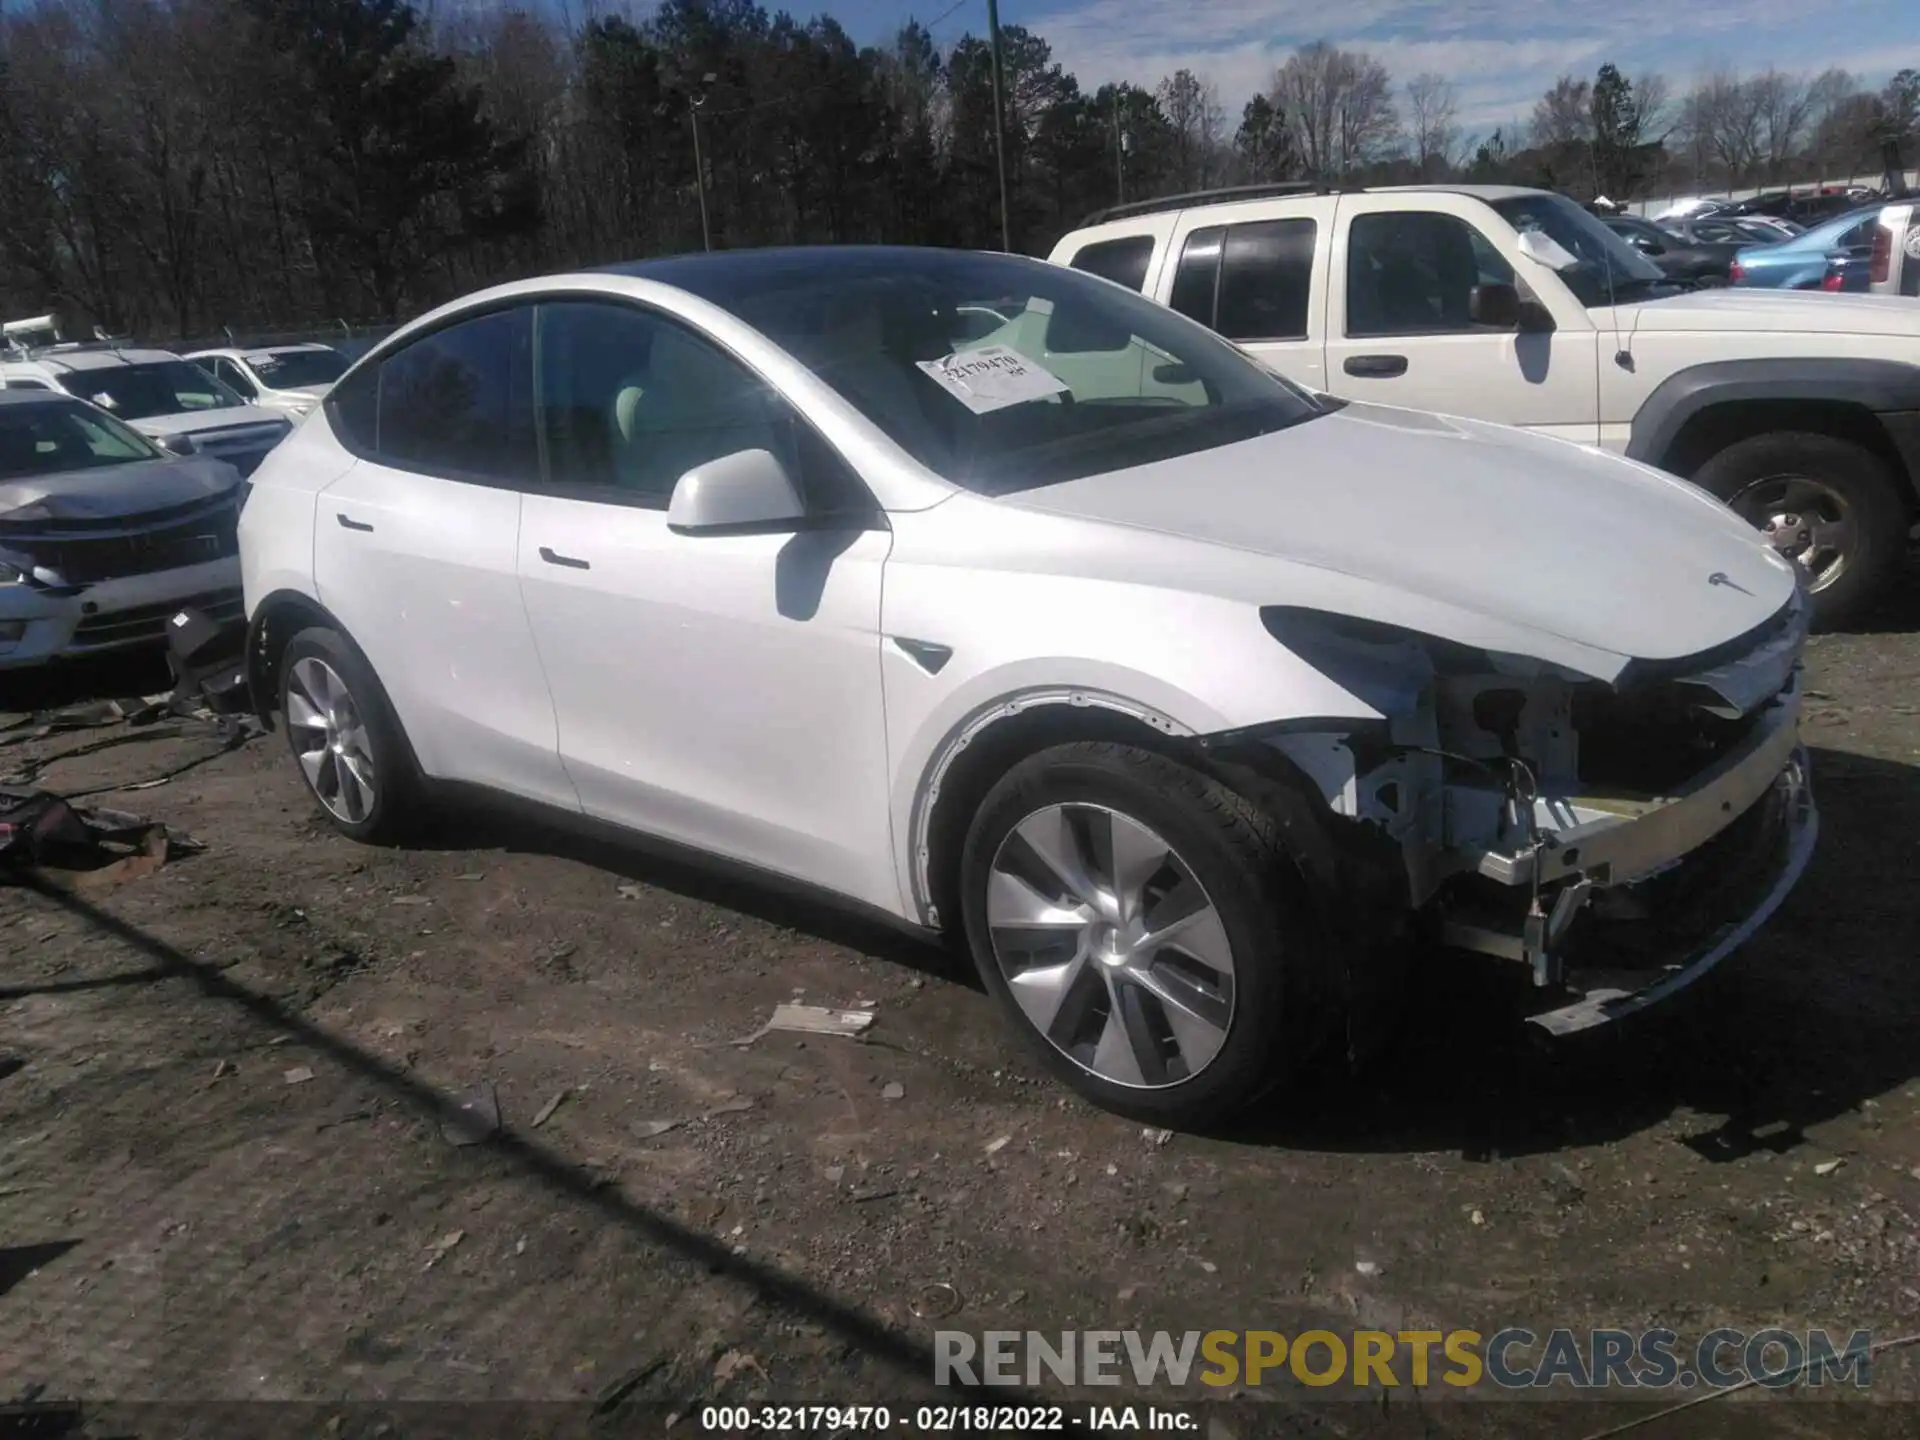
x,y
1148,930
1831,505
348,743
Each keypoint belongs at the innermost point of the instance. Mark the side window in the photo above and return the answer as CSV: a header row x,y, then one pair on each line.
x,y
1197,278
26,385
353,406
630,400
458,402
1266,276
225,369
1122,261
1413,272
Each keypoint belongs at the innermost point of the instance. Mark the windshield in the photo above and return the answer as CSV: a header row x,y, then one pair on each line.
x,y
290,369
56,435
1606,268
1001,373
165,387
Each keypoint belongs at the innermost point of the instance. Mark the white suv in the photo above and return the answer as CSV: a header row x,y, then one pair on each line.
x,y
986,596
1800,409
289,378
170,400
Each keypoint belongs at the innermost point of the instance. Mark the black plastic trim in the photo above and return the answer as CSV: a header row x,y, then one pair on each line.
x,y
1875,386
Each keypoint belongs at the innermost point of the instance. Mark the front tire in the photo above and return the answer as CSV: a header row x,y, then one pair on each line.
x,y
1149,931
346,738
1830,505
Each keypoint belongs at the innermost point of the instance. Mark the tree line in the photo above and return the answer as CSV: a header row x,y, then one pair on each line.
x,y
170,167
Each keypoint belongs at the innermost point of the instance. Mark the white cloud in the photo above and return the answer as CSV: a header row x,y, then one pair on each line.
x,y
1500,54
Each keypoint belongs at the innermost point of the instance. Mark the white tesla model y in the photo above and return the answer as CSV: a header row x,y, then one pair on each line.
x,y
993,597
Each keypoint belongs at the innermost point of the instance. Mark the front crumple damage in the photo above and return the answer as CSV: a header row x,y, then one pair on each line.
x,y
1609,836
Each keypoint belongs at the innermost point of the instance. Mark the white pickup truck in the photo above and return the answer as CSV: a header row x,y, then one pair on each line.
x,y
1800,409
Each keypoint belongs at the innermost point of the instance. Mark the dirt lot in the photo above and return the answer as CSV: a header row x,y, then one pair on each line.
x,y
220,1173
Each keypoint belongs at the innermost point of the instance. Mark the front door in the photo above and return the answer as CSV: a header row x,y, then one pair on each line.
x,y
1400,332
722,691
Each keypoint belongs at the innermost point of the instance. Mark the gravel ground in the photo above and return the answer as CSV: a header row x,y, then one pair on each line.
x,y
223,1175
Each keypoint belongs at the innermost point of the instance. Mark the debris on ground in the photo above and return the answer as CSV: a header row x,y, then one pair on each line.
x,y
994,1147
299,1075
1155,1136
49,838
1368,1268
474,1116
730,1107
442,1247
893,1090
732,1363
630,892
934,1302
1827,1167
810,1020
223,1068
545,1112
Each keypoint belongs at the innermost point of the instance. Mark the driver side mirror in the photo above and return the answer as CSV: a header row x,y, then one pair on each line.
x,y
745,492
1494,305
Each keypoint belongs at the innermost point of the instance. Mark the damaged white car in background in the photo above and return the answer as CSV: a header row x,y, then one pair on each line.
x,y
993,597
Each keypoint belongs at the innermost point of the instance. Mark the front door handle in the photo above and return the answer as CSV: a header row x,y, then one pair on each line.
x,y
1376,367
554,558
347,522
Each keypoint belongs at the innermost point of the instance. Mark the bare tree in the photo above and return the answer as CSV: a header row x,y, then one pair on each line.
x,y
1724,120
1432,106
1564,115
1340,105
1192,107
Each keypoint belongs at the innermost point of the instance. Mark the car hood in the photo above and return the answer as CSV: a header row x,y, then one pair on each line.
x,y
1806,311
303,392
114,492
1477,533
192,422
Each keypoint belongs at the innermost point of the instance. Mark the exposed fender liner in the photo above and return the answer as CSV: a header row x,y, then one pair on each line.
x,y
1300,725
1883,387
963,734
264,703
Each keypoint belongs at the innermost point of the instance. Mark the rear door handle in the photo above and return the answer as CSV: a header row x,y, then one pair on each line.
x,y
1382,367
553,558
347,522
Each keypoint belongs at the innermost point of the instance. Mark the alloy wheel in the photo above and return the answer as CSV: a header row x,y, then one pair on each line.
x,y
1110,945
1808,522
330,740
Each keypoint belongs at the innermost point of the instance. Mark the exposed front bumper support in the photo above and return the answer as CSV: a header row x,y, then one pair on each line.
x,y
1791,850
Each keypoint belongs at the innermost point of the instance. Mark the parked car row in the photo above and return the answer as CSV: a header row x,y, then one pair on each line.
x,y
1522,307
122,470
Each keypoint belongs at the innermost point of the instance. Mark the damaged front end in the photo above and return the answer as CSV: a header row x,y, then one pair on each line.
x,y
1616,838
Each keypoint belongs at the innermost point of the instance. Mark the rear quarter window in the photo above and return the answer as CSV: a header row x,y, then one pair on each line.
x,y
1122,261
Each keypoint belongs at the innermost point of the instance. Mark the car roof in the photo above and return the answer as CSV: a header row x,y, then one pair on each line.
x,y
710,274
36,397
100,359
240,352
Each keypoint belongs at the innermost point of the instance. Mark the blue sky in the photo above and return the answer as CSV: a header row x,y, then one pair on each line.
x,y
1499,53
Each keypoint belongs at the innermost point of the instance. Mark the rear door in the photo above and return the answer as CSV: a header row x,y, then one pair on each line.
x,y
1399,330
415,550
1257,273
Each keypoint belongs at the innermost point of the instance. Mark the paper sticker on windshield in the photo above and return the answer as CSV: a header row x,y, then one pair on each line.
x,y
992,378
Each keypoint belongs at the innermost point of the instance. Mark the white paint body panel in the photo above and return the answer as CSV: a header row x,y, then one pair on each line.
x,y
431,596
720,691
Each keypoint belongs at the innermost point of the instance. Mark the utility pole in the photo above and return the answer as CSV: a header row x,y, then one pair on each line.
x,y
698,99
999,125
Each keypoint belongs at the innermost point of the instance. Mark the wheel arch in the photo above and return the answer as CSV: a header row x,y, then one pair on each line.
x,y
276,620
1695,413
995,737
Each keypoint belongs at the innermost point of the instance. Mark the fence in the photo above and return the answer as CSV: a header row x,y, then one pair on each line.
x,y
352,339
